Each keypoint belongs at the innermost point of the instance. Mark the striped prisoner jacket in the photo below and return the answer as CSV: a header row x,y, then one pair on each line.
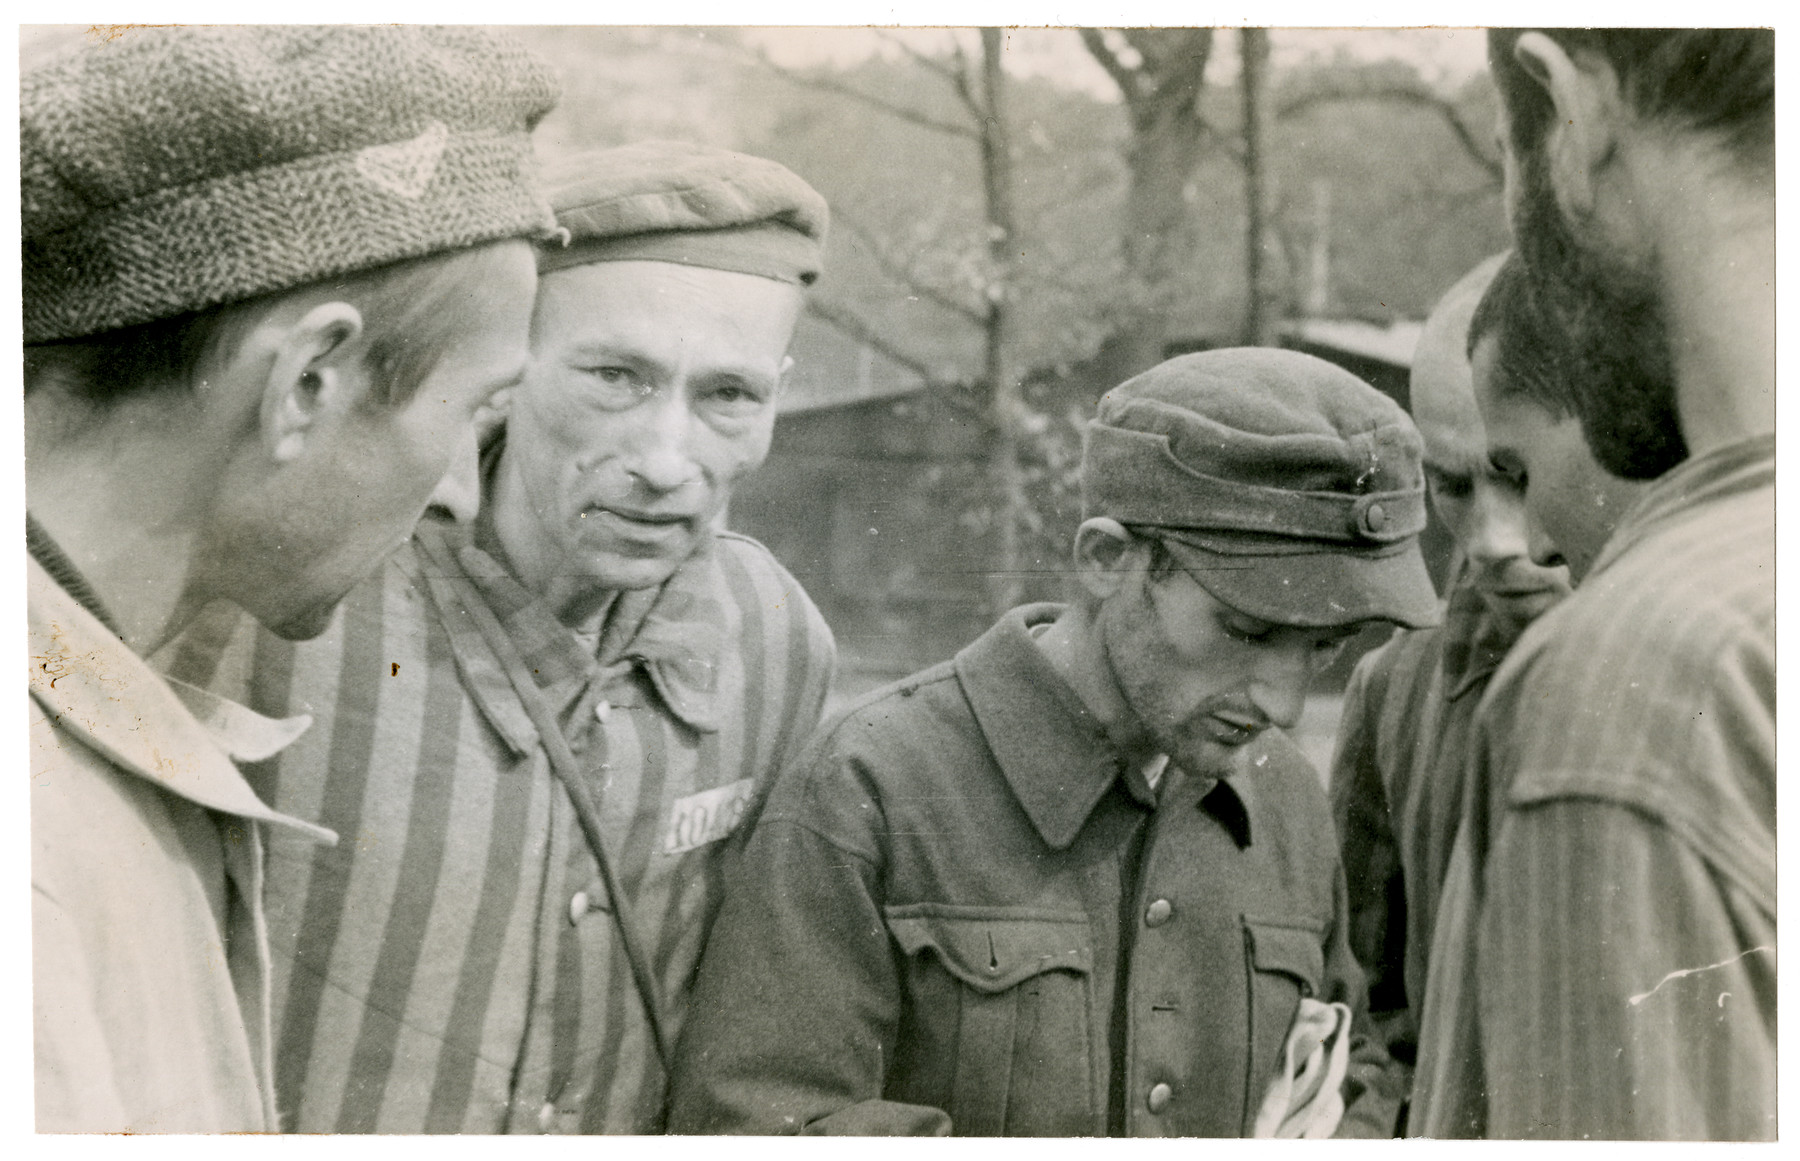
x,y
451,966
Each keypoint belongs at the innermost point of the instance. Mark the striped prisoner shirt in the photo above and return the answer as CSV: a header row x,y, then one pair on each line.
x,y
1396,786
1604,961
452,966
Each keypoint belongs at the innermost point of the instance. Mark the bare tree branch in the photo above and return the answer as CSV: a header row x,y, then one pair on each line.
x,y
827,85
1175,60
923,60
1405,95
1102,52
858,328
904,274
957,75
965,81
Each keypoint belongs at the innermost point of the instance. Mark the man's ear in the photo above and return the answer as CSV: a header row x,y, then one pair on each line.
x,y
314,374
1105,553
781,375
1583,130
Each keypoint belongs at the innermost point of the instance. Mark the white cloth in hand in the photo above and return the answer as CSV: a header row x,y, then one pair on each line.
x,y
1307,1097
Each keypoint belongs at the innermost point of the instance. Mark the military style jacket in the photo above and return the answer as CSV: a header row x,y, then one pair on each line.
x,y
958,914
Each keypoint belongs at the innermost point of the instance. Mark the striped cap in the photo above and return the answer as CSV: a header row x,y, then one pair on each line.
x,y
672,201
170,169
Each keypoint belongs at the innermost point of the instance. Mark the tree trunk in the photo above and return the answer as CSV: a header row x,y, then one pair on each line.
x,y
1163,89
1259,314
1004,582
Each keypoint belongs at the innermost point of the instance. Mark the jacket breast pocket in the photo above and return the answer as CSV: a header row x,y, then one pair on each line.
x,y
998,1029
1286,961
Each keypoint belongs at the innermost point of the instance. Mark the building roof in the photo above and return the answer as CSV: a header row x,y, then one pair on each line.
x,y
1392,343
833,370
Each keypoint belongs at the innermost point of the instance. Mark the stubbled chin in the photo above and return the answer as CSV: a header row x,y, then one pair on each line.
x,y
626,570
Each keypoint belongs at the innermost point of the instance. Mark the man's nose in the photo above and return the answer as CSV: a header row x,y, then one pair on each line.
x,y
1284,673
1496,528
1544,552
662,454
459,492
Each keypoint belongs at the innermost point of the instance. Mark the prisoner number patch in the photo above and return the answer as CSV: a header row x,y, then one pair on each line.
x,y
705,817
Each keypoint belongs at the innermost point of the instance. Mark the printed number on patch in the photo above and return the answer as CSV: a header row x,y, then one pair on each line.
x,y
705,817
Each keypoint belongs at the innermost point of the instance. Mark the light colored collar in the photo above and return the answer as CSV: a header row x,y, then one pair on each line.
x,y
180,737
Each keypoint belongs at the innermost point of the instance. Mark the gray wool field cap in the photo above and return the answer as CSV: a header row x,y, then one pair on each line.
x,y
170,169
695,205
1289,488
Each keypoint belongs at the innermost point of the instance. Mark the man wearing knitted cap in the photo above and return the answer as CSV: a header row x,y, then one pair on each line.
x,y
269,275
543,728
1077,881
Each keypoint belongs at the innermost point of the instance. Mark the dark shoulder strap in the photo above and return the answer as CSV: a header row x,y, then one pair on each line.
x,y
568,771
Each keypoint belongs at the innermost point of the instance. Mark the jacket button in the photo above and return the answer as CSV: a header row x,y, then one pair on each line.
x,y
1159,1097
547,1117
1158,913
578,906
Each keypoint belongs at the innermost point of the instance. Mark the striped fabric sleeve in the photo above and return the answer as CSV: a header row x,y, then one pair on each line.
x,y
1625,988
790,671
1371,856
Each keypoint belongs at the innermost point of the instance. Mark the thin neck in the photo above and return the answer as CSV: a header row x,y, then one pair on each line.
x,y
116,509
1717,275
1074,647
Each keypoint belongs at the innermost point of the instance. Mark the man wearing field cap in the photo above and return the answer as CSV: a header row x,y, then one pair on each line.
x,y
542,729
1077,881
269,274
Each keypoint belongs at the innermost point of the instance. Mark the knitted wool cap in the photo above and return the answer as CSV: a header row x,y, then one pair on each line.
x,y
670,201
171,169
1288,487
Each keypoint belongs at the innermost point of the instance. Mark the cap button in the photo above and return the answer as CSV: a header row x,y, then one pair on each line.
x,y
1376,518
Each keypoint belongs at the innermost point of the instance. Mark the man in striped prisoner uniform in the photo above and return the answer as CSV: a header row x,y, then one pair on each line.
x,y
1398,768
1604,959
455,965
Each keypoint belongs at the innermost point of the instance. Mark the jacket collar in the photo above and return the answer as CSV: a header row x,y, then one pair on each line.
x,y
44,549
1739,467
1054,755
167,732
665,631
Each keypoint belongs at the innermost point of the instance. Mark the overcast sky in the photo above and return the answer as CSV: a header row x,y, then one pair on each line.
x,y
1442,56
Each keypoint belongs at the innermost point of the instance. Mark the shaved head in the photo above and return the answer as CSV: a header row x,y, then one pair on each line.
x,y
1483,511
1443,390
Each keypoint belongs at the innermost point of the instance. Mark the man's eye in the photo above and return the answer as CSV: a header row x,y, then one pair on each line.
x,y
1247,632
1512,475
736,395
620,383
1330,646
